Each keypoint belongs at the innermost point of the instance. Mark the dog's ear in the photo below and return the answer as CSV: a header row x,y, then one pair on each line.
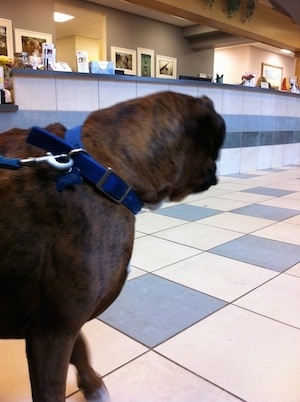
x,y
211,127
57,129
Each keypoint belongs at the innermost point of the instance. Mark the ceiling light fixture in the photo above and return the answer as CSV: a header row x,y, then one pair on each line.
x,y
61,17
286,51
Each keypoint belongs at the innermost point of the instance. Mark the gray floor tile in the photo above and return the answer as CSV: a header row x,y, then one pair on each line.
x,y
273,170
188,212
266,212
241,175
273,192
266,253
151,309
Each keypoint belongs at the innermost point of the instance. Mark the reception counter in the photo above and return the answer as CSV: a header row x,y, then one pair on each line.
x,y
263,126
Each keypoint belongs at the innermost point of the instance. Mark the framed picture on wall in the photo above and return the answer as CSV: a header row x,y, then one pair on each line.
x,y
6,42
273,75
145,62
166,67
124,59
30,41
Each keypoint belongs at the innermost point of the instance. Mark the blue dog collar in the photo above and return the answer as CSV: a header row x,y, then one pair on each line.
x,y
104,179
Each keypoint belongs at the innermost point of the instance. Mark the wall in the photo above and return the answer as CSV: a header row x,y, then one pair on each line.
x,y
234,62
123,30
131,31
66,49
31,15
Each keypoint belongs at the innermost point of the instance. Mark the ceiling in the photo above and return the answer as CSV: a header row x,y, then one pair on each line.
x,y
91,24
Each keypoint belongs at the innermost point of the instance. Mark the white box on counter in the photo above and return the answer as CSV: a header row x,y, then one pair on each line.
x,y
102,67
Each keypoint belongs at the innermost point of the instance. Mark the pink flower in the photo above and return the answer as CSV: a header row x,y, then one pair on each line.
x,y
248,76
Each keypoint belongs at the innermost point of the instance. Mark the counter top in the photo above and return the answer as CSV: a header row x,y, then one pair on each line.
x,y
134,78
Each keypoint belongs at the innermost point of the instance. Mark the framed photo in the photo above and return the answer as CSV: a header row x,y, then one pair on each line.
x,y
30,41
6,42
145,62
273,75
166,67
124,59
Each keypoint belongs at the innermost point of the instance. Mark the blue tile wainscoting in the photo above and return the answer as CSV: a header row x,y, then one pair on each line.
x,y
263,126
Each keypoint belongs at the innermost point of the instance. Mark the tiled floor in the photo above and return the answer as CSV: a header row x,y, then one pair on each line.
x,y
211,311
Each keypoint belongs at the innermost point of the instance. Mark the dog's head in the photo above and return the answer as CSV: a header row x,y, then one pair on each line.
x,y
200,135
164,145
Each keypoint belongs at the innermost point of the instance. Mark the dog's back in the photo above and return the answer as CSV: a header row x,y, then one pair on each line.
x,y
64,255
52,246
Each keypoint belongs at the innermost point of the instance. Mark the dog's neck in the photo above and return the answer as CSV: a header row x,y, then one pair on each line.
x,y
74,138
102,178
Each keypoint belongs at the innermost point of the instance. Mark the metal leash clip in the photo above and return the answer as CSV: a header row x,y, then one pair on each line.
x,y
59,162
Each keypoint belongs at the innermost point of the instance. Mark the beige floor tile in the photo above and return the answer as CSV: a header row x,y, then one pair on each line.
x,y
234,186
295,270
135,273
149,222
283,202
291,185
152,378
285,232
14,383
76,397
214,192
295,220
237,222
295,196
220,204
217,276
199,236
246,197
251,356
191,198
278,299
151,253
139,234
109,348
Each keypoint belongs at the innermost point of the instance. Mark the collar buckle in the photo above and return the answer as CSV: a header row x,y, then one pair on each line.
x,y
111,185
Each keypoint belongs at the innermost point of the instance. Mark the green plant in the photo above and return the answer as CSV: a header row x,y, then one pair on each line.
x,y
250,7
232,7
210,3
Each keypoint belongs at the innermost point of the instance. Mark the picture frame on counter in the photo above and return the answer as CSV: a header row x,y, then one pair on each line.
x,y
145,62
30,41
6,38
124,59
166,67
273,74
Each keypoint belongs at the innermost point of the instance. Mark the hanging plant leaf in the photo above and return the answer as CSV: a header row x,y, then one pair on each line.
x,y
232,7
250,7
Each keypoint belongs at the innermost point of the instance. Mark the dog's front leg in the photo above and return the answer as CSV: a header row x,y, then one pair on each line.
x,y
48,359
91,384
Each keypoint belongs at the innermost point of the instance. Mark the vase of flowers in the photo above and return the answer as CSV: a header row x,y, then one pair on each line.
x,y
248,79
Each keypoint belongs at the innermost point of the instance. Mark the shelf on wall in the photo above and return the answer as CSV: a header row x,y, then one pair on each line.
x,y
8,108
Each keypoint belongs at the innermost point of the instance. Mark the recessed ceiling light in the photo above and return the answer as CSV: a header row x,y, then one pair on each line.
x,y
61,17
286,51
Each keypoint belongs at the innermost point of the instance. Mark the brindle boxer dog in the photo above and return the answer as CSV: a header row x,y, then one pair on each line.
x,y
64,254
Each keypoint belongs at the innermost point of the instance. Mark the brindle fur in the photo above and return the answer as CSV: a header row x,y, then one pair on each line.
x,y
64,255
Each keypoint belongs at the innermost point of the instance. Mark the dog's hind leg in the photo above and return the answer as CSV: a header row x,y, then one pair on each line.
x,y
91,384
48,359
